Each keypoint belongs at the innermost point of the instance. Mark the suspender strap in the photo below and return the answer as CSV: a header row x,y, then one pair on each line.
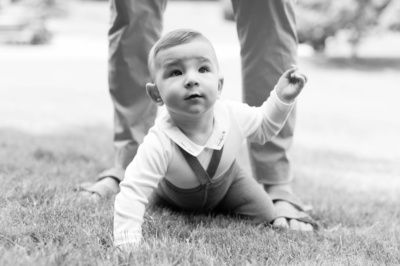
x,y
214,162
203,176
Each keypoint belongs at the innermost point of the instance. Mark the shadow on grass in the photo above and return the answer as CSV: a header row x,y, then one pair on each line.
x,y
369,64
55,146
63,159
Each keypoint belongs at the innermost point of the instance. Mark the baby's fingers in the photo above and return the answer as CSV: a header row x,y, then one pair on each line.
x,y
298,78
288,73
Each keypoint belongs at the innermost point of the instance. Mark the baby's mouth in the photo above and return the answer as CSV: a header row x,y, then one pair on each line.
x,y
193,96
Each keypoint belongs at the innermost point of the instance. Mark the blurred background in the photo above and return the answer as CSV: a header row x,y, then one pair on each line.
x,y
53,71
26,21
50,49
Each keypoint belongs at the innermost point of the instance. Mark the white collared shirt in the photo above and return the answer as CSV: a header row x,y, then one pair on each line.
x,y
159,156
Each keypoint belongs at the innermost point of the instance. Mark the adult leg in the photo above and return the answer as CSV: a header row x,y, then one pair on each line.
x,y
268,39
135,26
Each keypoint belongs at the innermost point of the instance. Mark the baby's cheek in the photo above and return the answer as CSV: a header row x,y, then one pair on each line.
x,y
172,99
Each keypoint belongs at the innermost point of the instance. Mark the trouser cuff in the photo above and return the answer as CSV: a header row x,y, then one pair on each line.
x,y
115,173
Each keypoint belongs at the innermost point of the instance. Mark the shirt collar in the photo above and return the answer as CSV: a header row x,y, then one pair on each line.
x,y
218,136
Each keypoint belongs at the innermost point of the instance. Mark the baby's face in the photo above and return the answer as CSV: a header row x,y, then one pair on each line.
x,y
187,78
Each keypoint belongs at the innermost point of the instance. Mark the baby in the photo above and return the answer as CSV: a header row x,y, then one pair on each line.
x,y
187,160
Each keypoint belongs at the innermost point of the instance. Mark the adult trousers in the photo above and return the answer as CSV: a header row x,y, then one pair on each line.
x,y
268,40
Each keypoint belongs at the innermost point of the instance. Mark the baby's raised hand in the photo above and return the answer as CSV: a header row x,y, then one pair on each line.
x,y
290,84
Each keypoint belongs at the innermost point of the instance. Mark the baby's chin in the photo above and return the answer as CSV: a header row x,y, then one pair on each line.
x,y
192,112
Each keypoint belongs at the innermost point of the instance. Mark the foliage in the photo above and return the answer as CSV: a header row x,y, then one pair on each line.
x,y
319,20
43,8
391,17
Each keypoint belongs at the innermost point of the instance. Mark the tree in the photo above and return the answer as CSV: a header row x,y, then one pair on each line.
x,y
321,19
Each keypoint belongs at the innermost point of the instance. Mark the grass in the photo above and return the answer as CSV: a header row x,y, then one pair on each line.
x,y
44,222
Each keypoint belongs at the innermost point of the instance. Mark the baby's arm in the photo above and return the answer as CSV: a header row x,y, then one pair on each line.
x,y
141,179
264,123
290,84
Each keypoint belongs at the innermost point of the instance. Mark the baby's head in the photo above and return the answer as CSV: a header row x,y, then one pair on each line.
x,y
170,40
185,73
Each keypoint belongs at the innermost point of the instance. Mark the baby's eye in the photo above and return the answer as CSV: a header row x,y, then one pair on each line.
x,y
175,73
204,69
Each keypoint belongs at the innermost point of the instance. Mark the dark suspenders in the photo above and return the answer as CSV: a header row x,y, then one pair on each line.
x,y
202,175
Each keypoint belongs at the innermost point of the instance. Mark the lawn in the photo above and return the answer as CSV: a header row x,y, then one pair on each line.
x,y
345,163
345,156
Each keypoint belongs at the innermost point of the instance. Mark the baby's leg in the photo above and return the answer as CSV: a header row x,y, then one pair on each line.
x,y
161,197
156,200
246,197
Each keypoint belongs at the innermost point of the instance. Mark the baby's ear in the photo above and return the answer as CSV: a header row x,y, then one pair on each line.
x,y
220,85
154,94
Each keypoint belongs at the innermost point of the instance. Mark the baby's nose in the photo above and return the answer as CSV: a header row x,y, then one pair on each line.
x,y
191,80
191,83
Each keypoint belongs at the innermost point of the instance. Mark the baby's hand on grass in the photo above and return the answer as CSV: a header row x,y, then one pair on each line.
x,y
290,84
